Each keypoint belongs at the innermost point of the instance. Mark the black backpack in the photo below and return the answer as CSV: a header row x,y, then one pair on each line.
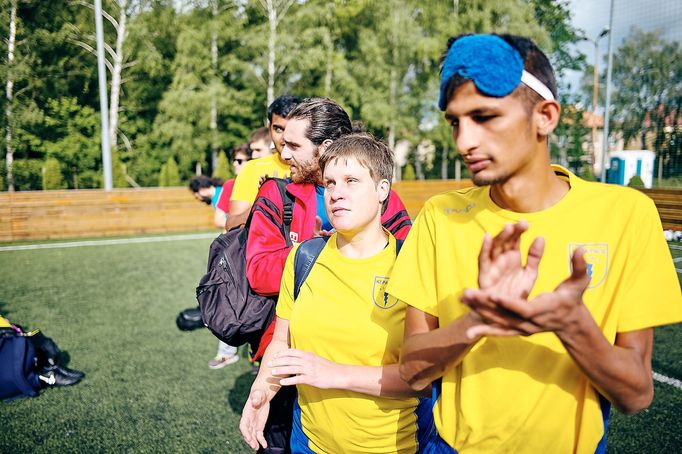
x,y
230,308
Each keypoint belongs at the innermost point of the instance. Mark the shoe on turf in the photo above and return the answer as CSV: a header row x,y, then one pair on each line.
x,y
221,361
56,375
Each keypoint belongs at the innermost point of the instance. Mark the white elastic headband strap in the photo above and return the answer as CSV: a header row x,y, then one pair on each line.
x,y
534,84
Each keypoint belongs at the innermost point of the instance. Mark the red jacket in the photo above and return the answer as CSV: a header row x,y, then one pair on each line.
x,y
266,249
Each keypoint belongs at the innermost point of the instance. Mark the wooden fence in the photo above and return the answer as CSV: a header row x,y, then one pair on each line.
x,y
93,213
43,215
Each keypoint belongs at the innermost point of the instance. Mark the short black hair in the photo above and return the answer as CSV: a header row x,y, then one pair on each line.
x,y
202,181
282,106
534,61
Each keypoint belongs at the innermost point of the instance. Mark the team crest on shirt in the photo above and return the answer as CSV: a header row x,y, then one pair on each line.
x,y
597,258
379,296
294,237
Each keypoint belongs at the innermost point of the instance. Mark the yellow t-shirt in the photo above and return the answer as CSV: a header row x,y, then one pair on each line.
x,y
246,183
525,394
342,314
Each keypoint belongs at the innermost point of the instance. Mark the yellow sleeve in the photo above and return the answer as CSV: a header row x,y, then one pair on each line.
x,y
246,184
650,294
285,303
413,279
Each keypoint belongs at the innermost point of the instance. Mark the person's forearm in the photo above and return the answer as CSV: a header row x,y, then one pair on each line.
x,y
236,219
380,381
620,374
426,356
265,381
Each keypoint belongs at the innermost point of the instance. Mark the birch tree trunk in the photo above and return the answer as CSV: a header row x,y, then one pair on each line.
x,y
213,125
272,56
9,93
117,67
276,10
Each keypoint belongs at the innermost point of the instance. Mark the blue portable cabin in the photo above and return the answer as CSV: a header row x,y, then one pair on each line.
x,y
623,165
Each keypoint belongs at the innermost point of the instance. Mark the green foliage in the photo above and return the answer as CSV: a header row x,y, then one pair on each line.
x,y
223,169
647,101
52,175
28,174
169,174
73,138
377,59
636,182
409,173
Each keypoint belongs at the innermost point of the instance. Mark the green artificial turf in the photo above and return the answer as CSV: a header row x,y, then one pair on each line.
x,y
112,309
148,389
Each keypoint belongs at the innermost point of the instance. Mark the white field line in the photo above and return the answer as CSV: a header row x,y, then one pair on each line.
x,y
152,239
668,380
675,246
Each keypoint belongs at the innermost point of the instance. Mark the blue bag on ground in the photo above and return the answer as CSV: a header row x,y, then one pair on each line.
x,y
17,366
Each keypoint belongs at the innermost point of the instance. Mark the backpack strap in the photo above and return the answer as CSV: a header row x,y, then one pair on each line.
x,y
304,259
307,254
287,208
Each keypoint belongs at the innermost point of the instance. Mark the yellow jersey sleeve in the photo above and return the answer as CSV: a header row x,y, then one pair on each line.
x,y
285,302
650,292
413,279
246,184
248,181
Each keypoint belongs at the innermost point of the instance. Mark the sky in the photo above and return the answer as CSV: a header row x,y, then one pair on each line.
x,y
592,16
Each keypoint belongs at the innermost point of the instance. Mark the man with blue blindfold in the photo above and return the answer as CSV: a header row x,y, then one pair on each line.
x,y
528,350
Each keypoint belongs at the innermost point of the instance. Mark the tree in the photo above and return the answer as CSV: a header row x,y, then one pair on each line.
x,y
647,100
409,173
222,169
52,175
9,94
73,140
169,175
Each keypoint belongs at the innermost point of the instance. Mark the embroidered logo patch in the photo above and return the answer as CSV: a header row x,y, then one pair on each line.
x,y
294,237
379,296
597,258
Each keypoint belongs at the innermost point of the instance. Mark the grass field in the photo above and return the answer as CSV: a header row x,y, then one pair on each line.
x,y
112,309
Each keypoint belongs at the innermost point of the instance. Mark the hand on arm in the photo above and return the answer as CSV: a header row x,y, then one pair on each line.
x,y
621,372
306,368
264,388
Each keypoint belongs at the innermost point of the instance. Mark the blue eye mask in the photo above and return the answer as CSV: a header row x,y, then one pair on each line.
x,y
495,67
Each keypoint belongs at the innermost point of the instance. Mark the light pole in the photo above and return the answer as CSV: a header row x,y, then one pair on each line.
x,y
607,104
595,93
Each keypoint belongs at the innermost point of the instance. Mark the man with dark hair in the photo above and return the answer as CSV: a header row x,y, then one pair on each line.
x,y
528,354
311,127
247,183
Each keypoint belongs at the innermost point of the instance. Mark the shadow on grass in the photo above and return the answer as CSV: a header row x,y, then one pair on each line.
x,y
237,396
